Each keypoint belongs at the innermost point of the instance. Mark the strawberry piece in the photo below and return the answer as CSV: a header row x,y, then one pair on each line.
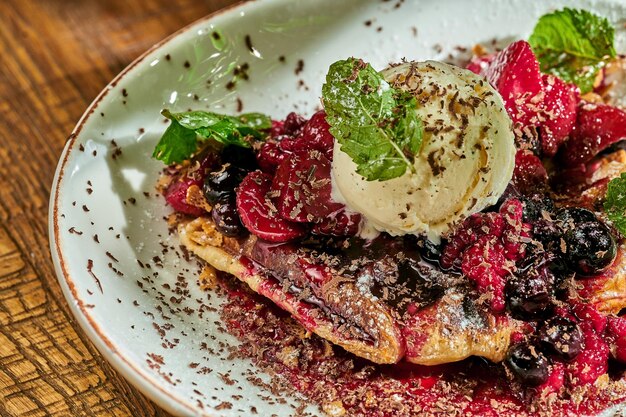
x,y
514,72
529,174
478,64
560,103
597,127
302,184
258,213
176,196
339,223
316,135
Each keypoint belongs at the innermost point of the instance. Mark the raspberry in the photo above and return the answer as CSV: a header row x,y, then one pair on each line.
x,y
483,263
616,330
485,245
472,229
591,317
592,362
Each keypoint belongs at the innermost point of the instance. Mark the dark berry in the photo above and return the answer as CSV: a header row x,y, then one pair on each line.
x,y
547,232
528,364
590,248
536,205
531,292
244,158
226,218
430,251
562,337
570,217
220,185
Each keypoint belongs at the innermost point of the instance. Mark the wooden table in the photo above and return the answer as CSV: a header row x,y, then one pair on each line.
x,y
55,56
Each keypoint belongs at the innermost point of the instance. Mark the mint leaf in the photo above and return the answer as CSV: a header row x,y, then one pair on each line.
x,y
177,144
180,140
615,202
573,44
375,124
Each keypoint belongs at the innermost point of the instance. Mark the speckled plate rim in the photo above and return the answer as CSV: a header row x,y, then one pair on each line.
x,y
139,378
142,380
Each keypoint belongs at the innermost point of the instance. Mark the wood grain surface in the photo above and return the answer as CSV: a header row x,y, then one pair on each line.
x,y
55,56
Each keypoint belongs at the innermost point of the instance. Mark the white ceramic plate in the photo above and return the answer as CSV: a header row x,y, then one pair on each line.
x,y
103,227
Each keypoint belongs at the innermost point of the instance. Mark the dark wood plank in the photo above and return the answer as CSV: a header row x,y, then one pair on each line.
x,y
55,58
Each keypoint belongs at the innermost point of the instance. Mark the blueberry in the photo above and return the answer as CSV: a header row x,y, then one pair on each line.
x,y
226,219
562,337
220,185
535,205
528,364
570,217
589,248
531,292
547,232
243,158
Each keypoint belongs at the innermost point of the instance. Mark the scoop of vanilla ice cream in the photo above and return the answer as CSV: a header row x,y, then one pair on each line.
x,y
466,161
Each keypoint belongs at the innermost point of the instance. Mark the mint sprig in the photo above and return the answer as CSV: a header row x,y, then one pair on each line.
x,y
180,140
375,123
573,45
615,203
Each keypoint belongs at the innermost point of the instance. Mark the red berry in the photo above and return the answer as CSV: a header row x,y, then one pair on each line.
x,y
592,362
277,128
484,264
472,229
555,380
597,127
293,124
560,104
529,173
616,330
270,156
478,64
302,185
339,223
589,315
258,213
176,196
316,135
514,72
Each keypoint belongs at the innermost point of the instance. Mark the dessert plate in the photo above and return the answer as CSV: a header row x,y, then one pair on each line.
x,y
124,276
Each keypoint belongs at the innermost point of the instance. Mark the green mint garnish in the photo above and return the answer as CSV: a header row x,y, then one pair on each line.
x,y
615,202
375,123
573,45
180,140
